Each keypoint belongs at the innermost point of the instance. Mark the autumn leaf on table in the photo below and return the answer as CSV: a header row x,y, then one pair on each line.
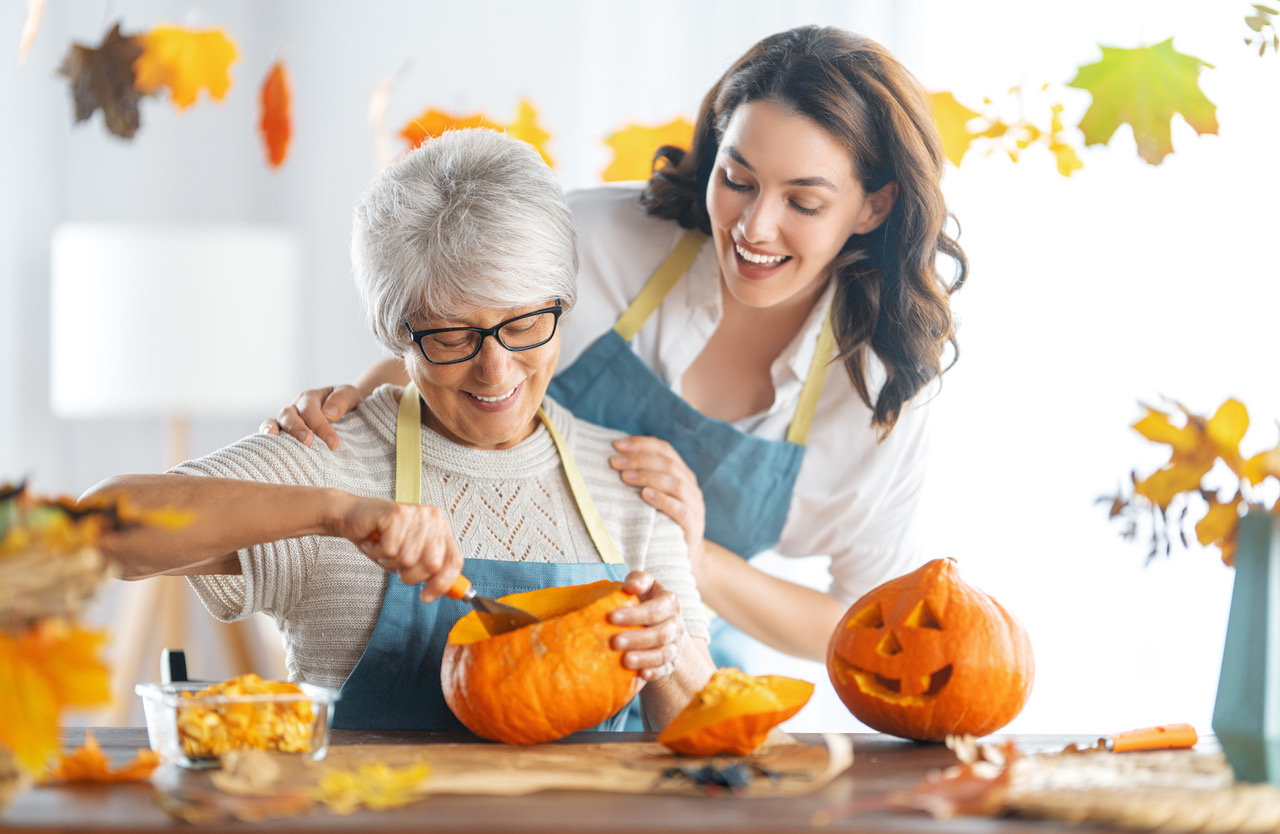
x,y
634,146
103,78
184,61
275,124
90,764
952,119
1144,88
42,670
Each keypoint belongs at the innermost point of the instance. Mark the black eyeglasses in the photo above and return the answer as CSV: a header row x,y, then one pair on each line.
x,y
448,345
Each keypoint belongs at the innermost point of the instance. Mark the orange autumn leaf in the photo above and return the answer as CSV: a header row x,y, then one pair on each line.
x,y
42,670
275,124
185,60
634,146
431,123
90,764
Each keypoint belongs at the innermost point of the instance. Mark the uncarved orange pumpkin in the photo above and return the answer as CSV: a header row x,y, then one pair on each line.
x,y
734,712
544,681
926,655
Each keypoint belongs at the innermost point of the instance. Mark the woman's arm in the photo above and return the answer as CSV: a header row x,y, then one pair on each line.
x,y
316,408
415,542
791,618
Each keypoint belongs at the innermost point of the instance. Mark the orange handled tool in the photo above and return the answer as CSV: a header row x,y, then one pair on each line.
x,y
1164,737
496,617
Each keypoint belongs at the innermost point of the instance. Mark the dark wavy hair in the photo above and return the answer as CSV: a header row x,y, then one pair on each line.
x,y
890,297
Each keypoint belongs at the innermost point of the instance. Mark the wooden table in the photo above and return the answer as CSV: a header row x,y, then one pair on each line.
x,y
881,765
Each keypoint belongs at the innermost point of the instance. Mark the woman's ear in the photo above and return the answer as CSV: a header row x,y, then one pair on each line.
x,y
876,210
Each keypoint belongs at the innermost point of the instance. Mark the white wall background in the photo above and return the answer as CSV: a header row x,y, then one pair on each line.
x,y
1124,282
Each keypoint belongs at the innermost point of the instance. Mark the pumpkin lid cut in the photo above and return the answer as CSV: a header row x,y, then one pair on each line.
x,y
733,713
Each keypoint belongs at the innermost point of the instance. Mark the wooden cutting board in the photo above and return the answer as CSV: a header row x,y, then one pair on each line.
x,y
255,785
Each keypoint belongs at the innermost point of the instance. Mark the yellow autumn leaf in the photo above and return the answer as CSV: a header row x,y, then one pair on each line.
x,y
1144,88
374,786
952,119
1225,429
526,129
1180,476
1220,520
635,145
42,670
185,60
1258,467
1156,427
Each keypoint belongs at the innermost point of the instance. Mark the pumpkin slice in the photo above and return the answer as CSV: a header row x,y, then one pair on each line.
x,y
544,681
734,712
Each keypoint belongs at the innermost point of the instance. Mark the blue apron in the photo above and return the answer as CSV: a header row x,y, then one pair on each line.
x,y
396,683
746,481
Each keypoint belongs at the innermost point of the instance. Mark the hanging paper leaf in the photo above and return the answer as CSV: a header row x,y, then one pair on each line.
x,y
185,60
952,119
90,764
526,129
42,670
634,146
1144,88
103,78
35,8
275,123
431,123
378,103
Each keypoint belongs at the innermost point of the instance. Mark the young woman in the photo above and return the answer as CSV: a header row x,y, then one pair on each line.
x,y
779,321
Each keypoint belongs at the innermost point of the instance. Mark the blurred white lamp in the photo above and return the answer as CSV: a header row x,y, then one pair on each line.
x,y
172,321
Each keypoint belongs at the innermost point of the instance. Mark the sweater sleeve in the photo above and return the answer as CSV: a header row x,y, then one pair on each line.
x,y
273,574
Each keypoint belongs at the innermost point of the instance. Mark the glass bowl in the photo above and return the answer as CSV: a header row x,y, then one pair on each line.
x,y
196,731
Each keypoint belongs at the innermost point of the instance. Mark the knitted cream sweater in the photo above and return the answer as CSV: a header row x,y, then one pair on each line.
x,y
512,504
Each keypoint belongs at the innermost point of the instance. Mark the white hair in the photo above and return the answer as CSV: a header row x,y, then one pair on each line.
x,y
471,220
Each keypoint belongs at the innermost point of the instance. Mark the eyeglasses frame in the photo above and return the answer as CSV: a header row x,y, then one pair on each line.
x,y
418,335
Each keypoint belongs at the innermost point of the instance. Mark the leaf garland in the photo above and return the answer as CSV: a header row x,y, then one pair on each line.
x,y
634,147
275,123
102,78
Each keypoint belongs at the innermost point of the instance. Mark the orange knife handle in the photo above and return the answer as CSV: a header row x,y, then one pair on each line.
x,y
459,588
1155,738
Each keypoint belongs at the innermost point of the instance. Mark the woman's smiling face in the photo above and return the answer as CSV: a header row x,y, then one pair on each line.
x,y
783,199
491,400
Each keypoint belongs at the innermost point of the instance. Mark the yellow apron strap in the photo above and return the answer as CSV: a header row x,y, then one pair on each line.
x,y
798,432
659,284
409,470
409,447
586,507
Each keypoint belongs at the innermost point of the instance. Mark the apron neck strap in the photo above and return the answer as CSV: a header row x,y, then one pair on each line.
x,y
409,470
798,431
659,284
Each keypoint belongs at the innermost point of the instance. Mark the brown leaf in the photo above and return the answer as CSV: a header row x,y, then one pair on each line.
x,y
103,78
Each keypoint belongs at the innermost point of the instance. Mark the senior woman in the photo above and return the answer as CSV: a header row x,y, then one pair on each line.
x,y
465,257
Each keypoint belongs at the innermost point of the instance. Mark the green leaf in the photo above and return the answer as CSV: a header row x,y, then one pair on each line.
x,y
1144,88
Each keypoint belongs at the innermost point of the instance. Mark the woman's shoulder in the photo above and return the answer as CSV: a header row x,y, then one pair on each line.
x,y
613,212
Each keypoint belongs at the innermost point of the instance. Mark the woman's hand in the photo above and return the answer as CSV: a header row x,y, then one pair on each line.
x,y
315,410
413,541
654,648
667,484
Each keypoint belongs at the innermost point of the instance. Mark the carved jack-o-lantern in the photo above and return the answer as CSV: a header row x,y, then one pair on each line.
x,y
926,655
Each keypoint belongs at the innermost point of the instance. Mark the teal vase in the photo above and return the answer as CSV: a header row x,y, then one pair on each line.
x,y
1246,713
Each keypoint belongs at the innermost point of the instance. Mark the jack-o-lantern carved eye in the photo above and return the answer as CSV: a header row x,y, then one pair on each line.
x,y
922,616
869,617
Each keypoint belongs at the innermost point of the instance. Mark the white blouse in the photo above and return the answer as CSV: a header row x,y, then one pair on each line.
x,y
855,500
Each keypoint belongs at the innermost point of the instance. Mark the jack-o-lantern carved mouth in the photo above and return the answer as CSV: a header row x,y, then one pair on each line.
x,y
890,689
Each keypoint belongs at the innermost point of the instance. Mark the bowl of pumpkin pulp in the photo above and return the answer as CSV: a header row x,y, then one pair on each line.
x,y
195,723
